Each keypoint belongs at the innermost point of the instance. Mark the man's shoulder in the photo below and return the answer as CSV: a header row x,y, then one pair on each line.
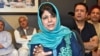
x,y
18,28
30,27
89,24
15,30
5,32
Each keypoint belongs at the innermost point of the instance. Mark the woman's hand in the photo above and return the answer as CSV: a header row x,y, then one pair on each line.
x,y
38,51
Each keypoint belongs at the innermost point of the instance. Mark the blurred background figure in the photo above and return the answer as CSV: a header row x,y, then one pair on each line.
x,y
94,19
23,35
6,46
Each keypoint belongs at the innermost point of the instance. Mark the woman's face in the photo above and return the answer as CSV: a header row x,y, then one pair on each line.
x,y
48,20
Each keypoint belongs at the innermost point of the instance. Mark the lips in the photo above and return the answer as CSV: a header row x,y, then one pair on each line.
x,y
50,25
78,16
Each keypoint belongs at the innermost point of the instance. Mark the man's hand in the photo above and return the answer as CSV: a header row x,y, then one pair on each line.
x,y
38,51
1,46
24,37
92,44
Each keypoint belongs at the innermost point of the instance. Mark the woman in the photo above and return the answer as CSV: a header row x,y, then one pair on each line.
x,y
56,40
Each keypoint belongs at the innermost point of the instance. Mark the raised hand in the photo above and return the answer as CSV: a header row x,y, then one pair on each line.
x,y
38,51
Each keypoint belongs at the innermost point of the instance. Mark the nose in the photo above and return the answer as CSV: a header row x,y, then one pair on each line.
x,y
95,13
49,19
79,12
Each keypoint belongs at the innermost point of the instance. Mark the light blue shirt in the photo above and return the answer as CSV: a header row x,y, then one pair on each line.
x,y
6,41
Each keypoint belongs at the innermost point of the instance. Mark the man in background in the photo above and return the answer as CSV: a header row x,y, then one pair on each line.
x,y
23,35
85,29
6,47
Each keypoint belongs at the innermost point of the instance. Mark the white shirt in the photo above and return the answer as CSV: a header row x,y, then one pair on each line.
x,y
6,41
22,40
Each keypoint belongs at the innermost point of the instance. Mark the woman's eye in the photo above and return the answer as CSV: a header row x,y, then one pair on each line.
x,y
45,17
53,16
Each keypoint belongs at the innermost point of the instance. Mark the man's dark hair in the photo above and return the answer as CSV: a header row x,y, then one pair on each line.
x,y
83,4
93,7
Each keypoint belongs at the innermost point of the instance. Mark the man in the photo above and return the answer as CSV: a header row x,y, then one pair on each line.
x,y
85,29
23,35
6,47
94,19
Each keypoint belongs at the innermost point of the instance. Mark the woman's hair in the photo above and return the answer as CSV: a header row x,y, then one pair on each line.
x,y
47,7
83,4
93,7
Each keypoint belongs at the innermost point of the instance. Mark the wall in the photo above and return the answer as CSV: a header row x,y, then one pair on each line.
x,y
64,6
